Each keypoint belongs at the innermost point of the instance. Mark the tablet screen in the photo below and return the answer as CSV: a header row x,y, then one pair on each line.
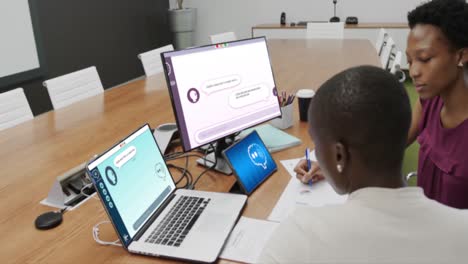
x,y
250,161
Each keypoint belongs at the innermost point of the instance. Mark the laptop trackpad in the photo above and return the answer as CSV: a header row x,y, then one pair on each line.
x,y
213,222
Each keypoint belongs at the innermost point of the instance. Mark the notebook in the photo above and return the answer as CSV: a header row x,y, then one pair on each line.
x,y
274,138
151,216
250,162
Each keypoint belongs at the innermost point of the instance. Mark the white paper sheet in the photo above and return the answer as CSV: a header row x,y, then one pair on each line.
x,y
298,194
247,240
291,163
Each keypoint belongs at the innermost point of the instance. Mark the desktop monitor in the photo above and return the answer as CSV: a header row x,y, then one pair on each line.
x,y
220,89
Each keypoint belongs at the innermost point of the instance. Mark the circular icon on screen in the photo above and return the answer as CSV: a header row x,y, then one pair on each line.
x,y
108,198
104,191
101,185
111,175
95,174
111,205
193,95
160,170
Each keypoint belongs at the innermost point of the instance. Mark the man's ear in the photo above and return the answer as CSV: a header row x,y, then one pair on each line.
x,y
463,57
341,157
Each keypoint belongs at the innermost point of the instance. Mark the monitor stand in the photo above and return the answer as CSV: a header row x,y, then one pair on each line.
x,y
221,164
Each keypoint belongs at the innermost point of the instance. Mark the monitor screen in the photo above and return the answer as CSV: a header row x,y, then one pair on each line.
x,y
220,89
132,180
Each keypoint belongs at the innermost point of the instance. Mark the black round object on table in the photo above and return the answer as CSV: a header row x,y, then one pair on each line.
x,y
48,220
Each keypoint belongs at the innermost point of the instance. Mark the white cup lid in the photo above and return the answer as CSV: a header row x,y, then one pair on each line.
x,y
305,93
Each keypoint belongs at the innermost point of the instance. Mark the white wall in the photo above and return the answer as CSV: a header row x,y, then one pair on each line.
x,y
215,16
18,51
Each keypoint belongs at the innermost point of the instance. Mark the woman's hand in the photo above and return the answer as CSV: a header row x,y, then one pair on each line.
x,y
308,177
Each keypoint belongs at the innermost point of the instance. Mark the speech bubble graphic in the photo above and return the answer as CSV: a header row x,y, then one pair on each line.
x,y
216,85
125,156
248,95
111,176
257,155
160,170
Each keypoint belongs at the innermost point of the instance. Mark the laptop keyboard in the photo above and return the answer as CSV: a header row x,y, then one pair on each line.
x,y
175,226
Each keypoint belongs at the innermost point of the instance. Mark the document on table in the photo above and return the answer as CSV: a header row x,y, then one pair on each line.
x,y
298,194
247,240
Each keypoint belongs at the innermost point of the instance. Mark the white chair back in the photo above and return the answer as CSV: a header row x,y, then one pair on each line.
x,y
396,67
223,37
73,87
14,108
151,60
396,64
389,44
380,40
325,30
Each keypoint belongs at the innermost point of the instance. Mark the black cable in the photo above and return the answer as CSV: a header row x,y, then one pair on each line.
x,y
184,171
187,172
173,155
64,210
207,169
181,170
183,156
185,175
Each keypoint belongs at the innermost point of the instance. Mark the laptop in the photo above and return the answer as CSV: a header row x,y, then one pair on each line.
x,y
250,162
151,216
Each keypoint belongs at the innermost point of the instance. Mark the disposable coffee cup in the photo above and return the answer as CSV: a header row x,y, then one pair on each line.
x,y
304,96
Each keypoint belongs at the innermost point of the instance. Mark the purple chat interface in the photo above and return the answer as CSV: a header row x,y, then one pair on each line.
x,y
220,89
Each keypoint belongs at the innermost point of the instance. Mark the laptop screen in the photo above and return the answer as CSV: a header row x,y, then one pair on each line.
x,y
132,180
251,161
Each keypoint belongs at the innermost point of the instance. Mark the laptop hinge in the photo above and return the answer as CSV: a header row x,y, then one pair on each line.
x,y
152,218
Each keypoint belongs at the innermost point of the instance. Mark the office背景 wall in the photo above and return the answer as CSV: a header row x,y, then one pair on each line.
x,y
106,33
216,16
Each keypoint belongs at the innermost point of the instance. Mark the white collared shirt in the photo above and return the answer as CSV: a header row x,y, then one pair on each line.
x,y
375,225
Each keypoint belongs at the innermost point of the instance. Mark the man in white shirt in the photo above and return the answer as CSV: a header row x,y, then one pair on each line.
x,y
359,120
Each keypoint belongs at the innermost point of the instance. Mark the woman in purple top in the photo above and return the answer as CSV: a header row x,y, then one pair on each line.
x,y
437,54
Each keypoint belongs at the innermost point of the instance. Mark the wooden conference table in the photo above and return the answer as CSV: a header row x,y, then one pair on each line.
x,y
34,153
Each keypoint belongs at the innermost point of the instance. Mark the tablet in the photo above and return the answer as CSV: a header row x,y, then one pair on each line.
x,y
250,162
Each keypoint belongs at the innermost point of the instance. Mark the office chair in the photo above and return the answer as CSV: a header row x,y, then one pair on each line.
x,y
14,108
151,60
396,67
223,37
73,87
319,30
379,43
386,53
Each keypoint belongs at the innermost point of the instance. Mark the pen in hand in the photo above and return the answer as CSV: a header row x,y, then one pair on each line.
x,y
307,154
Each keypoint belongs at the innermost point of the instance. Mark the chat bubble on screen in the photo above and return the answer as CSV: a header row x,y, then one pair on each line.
x,y
248,95
218,84
257,155
125,156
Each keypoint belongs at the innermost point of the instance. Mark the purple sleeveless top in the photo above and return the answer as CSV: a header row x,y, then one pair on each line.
x,y
443,157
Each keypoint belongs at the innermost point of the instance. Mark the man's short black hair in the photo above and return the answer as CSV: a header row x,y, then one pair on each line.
x,y
366,109
451,16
